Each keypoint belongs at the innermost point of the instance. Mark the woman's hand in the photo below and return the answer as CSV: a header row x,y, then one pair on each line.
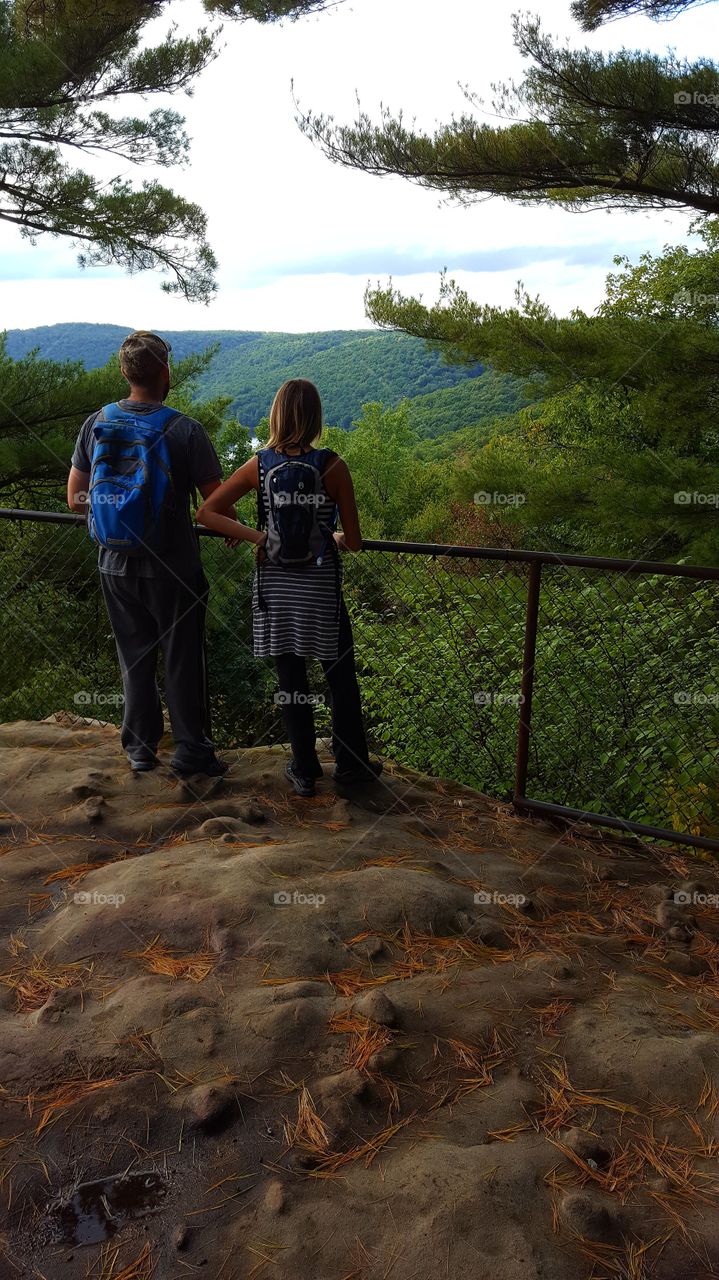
x,y
260,545
340,541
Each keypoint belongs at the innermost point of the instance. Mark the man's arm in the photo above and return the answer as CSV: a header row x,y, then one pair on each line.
x,y
205,490
78,483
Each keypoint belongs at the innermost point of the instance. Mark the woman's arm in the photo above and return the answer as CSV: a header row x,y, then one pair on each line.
x,y
338,483
210,512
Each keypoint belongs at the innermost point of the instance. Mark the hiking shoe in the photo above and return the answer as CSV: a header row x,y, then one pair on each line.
x,y
361,773
303,786
210,769
143,765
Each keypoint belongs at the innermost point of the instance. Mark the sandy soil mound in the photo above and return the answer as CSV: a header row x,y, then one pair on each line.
x,y
386,1035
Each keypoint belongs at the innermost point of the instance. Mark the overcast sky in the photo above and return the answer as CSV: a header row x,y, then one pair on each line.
x,y
297,237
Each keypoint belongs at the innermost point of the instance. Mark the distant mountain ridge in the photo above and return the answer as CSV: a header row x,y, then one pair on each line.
x,y
350,367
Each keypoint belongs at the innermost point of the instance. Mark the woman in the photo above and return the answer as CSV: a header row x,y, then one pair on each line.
x,y
298,609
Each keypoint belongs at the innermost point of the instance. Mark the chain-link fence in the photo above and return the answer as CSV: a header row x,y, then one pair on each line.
x,y
587,684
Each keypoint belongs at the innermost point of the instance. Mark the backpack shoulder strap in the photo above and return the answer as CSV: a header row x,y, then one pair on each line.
x,y
111,413
159,417
324,457
261,509
270,458
164,416
318,458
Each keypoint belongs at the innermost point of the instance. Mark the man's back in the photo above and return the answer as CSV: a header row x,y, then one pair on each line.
x,y
193,463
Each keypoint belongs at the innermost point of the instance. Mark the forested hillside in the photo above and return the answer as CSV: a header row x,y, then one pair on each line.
x,y
439,414
94,344
349,367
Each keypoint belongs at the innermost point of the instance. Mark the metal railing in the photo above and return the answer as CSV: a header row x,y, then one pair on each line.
x,y
578,687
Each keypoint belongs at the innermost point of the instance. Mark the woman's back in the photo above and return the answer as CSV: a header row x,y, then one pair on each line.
x,y
298,610
296,605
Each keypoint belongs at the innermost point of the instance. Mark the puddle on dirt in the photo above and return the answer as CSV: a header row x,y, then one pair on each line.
x,y
98,1210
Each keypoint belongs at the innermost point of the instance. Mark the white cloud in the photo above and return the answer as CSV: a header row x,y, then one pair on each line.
x,y
291,304
277,207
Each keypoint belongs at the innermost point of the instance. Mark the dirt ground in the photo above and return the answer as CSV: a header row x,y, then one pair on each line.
x,y
393,1034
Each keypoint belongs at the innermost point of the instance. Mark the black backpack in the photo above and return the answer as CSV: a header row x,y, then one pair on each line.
x,y
290,496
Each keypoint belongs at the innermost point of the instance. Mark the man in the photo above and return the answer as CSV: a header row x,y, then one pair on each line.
x,y
156,599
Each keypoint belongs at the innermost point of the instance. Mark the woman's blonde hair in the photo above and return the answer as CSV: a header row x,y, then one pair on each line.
x,y
295,416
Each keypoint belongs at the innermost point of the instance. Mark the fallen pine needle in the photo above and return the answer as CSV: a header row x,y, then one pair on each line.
x,y
307,1130
33,979
158,958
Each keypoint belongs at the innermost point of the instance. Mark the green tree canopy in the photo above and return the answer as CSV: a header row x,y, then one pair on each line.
x,y
624,424
63,63
269,10
584,129
654,337
592,13
397,495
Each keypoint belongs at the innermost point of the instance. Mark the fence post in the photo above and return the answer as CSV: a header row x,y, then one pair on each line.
x,y
525,706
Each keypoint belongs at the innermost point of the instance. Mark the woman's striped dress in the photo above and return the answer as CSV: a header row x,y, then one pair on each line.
x,y
297,610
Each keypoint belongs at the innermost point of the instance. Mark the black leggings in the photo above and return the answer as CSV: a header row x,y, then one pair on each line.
x,y
348,737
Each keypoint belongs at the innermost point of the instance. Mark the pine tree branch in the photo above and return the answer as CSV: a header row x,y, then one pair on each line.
x,y
619,130
591,14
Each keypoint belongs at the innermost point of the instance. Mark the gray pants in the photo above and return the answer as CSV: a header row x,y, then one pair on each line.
x,y
146,615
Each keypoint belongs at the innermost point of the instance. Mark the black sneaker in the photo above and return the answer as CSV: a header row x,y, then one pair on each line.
x,y
144,764
209,769
361,773
303,786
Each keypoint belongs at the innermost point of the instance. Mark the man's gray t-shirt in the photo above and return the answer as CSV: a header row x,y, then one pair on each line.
x,y
193,462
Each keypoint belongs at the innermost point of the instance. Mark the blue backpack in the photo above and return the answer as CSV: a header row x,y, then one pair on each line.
x,y
131,489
